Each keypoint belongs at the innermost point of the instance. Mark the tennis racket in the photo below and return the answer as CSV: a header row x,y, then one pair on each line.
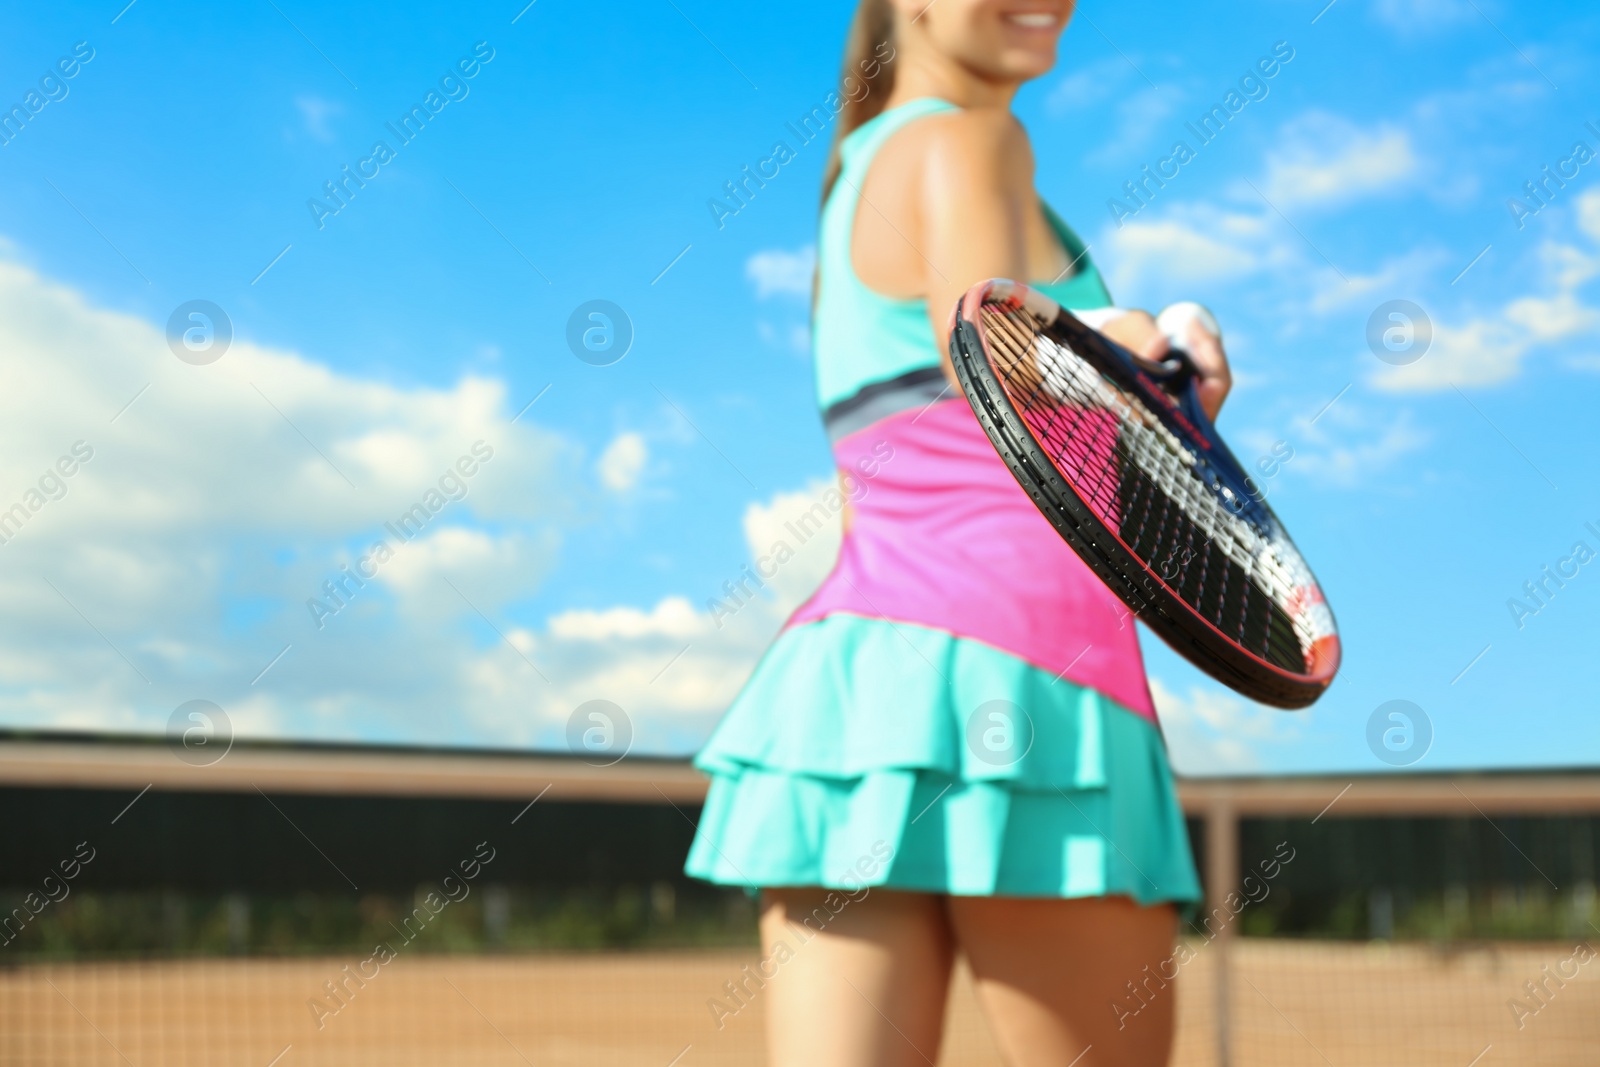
x,y
1119,456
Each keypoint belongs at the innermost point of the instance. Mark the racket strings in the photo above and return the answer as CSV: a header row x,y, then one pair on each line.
x,y
1073,394
1141,481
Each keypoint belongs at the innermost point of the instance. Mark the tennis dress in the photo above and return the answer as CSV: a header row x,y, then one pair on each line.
x,y
961,707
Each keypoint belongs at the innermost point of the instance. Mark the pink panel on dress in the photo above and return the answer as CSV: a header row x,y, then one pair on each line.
x,y
943,536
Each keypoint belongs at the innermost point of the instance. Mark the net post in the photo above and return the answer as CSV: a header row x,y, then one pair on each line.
x,y
1222,878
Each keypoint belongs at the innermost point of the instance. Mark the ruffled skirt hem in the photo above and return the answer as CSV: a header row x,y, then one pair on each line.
x,y
869,753
925,831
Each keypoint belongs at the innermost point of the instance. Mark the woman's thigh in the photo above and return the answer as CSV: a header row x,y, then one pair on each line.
x,y
1051,975
857,985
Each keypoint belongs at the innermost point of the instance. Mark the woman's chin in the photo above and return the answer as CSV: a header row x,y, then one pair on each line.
x,y
1026,64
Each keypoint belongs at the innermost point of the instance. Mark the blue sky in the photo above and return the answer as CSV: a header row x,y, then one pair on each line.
x,y
371,353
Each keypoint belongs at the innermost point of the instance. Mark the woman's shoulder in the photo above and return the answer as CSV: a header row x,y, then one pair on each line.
x,y
985,144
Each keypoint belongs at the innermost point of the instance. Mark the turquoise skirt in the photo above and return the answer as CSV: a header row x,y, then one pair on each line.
x,y
982,776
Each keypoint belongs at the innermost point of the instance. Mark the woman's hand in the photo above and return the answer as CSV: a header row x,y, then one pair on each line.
x,y
1137,331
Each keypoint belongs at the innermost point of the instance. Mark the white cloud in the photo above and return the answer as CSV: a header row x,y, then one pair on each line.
x,y
182,558
1087,87
1347,444
1179,248
776,522
315,112
776,271
1489,349
1212,732
205,520
1589,362
623,461
264,437
1188,244
1138,116
795,336
1553,318
1325,160
416,575
1413,17
214,508
675,667
1589,215
1408,272
1569,267
672,617
783,273
1480,352
1322,160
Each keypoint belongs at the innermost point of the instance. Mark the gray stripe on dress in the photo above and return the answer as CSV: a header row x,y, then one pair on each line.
x,y
888,403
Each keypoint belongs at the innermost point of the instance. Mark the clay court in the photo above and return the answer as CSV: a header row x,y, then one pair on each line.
x,y
1398,849
1295,1003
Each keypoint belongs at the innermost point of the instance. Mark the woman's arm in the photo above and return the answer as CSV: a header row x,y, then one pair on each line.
x,y
974,185
974,192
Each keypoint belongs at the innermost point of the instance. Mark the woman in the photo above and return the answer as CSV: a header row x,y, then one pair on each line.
x,y
951,747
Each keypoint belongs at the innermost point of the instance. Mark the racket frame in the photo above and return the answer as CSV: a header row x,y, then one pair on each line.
x,y
1134,581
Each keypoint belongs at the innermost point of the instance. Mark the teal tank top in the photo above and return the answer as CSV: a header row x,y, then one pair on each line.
x,y
875,354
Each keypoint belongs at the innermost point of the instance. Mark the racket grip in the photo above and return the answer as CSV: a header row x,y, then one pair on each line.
x,y
1174,321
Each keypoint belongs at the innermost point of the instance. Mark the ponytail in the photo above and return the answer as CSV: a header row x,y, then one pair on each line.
x,y
870,29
